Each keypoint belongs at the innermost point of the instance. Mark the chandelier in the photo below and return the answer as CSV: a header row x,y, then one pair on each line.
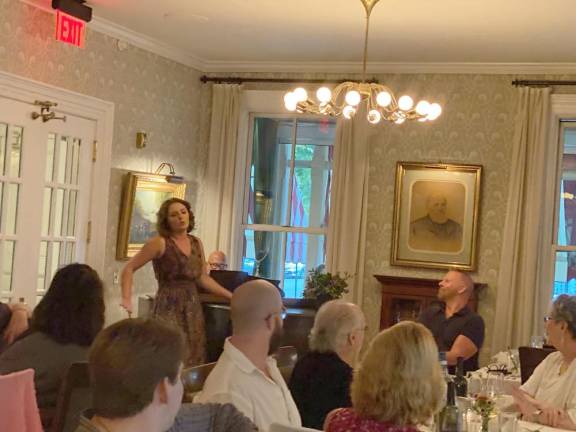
x,y
347,97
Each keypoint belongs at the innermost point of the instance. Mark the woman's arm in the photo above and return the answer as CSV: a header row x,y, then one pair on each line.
x,y
153,248
206,281
18,322
540,412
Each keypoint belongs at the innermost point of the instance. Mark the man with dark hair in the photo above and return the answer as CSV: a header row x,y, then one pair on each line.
x,y
246,375
135,368
457,330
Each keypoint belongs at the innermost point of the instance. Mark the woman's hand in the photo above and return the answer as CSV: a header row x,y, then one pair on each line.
x,y
551,416
127,305
18,323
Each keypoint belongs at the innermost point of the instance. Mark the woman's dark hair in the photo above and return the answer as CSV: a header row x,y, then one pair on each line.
x,y
564,309
162,225
72,311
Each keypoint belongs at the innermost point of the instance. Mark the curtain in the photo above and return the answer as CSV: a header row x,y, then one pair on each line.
x,y
217,223
347,221
522,295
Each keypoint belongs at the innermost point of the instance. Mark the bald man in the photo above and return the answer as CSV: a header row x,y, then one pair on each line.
x,y
217,261
245,374
457,330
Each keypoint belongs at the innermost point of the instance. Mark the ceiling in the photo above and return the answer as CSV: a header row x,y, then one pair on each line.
x,y
320,34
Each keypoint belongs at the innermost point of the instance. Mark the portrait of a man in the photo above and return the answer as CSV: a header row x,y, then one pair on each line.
x,y
435,225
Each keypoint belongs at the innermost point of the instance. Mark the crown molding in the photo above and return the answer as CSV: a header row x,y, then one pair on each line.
x,y
207,66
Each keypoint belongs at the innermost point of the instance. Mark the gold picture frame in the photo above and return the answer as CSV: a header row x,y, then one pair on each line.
x,y
143,193
436,209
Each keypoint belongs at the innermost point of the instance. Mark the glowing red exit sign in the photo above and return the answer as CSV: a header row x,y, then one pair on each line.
x,y
69,29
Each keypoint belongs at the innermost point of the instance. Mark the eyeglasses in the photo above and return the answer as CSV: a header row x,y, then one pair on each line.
x,y
218,266
547,318
283,314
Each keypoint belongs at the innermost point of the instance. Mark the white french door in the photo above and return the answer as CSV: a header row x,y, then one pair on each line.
x,y
45,195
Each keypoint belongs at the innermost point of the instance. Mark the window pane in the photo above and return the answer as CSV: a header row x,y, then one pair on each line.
x,y
54,259
11,199
7,264
3,134
51,147
567,209
58,211
75,160
270,171
263,254
72,214
565,274
303,253
15,151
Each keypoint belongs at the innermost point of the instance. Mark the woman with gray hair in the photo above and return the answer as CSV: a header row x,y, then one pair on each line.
x,y
321,379
549,396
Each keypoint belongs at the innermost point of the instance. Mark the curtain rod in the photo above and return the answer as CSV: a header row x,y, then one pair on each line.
x,y
542,83
235,80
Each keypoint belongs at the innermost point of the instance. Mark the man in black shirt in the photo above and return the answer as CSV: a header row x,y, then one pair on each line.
x,y
457,330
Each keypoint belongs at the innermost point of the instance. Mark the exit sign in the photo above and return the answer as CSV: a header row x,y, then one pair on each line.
x,y
70,30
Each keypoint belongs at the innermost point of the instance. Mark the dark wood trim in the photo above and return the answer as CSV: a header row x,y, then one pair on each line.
x,y
542,83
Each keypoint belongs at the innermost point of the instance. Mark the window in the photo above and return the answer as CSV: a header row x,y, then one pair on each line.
x,y
287,199
564,248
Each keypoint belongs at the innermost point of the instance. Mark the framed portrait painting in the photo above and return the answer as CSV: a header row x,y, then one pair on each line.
x,y
436,210
143,194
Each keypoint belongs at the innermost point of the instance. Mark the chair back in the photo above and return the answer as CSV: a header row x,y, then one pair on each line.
x,y
74,397
18,407
286,358
530,358
194,379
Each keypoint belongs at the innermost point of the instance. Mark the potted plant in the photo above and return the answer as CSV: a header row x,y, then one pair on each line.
x,y
323,286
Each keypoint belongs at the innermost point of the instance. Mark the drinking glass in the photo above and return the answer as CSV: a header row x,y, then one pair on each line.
x,y
537,341
508,421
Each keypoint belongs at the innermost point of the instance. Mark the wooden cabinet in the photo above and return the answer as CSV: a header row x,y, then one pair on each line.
x,y
403,298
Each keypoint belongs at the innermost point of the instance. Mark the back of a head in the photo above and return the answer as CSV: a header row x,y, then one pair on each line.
x,y
333,322
399,379
75,295
466,282
564,309
127,362
252,302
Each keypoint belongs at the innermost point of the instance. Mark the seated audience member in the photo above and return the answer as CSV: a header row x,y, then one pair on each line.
x,y
397,386
457,330
13,322
549,395
321,379
245,374
62,328
135,368
217,261
211,418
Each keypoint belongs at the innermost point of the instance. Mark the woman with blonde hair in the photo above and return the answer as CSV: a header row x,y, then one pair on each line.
x,y
397,386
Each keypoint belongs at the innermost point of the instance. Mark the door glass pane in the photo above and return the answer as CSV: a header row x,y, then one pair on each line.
x,y
3,135
303,253
61,162
72,214
11,199
270,171
262,254
57,211
65,211
46,211
565,274
75,160
42,261
51,144
54,259
7,264
69,248
15,150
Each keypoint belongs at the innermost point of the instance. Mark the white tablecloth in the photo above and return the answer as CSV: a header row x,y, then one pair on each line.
x,y
533,427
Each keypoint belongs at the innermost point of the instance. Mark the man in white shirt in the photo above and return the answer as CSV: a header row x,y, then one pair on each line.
x,y
245,374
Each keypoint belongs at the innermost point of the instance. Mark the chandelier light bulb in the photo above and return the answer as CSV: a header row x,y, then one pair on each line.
x,y
383,99
434,111
300,94
423,107
348,111
405,103
290,101
324,94
353,98
374,116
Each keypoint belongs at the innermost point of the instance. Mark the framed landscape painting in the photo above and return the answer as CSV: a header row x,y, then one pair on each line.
x,y
436,210
143,194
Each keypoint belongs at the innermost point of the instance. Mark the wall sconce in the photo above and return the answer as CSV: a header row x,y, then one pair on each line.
x,y
141,139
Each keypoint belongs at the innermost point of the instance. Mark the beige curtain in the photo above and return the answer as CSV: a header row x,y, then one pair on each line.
x,y
522,295
219,191
349,195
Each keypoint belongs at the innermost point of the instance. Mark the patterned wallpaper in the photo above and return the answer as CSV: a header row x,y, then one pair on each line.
x,y
150,93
